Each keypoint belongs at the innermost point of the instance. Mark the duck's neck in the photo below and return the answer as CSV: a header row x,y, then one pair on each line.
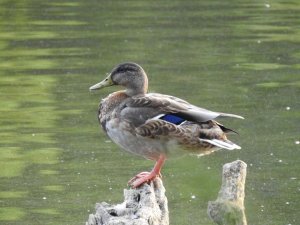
x,y
139,87
133,92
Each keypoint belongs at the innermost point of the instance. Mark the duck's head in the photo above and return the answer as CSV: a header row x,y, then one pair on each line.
x,y
129,75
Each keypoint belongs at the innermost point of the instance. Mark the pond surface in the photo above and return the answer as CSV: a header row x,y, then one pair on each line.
x,y
240,57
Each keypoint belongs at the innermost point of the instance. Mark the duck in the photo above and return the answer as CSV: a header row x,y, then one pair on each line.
x,y
154,125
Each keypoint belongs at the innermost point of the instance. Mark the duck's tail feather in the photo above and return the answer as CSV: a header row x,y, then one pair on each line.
x,y
230,115
225,129
222,144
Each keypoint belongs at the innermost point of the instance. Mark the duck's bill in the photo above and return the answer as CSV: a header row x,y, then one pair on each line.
x,y
105,83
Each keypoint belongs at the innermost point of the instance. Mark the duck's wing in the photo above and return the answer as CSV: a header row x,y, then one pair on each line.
x,y
153,105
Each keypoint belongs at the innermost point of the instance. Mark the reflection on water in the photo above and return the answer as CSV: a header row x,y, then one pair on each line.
x,y
243,58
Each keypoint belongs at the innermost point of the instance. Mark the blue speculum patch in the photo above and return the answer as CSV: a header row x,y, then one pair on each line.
x,y
172,119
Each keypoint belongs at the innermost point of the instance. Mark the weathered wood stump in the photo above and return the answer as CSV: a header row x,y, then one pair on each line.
x,y
228,209
146,205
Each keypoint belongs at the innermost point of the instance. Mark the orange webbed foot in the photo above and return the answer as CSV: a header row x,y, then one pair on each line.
x,y
141,178
145,177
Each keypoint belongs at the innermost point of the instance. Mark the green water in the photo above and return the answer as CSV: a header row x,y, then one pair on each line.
x,y
233,56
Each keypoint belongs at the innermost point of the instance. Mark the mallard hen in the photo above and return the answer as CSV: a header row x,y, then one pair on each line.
x,y
155,125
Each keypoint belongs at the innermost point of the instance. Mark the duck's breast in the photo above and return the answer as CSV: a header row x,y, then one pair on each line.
x,y
123,134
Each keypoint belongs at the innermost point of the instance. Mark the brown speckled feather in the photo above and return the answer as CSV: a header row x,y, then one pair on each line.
x,y
169,104
188,135
137,116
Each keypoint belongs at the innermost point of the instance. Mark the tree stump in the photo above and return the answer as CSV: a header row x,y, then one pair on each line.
x,y
146,205
228,209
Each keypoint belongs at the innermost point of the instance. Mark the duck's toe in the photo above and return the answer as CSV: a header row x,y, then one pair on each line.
x,y
141,178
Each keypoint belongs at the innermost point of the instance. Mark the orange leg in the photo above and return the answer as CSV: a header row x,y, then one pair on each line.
x,y
145,177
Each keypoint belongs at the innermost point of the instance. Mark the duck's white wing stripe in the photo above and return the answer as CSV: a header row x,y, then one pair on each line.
x,y
158,117
221,144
